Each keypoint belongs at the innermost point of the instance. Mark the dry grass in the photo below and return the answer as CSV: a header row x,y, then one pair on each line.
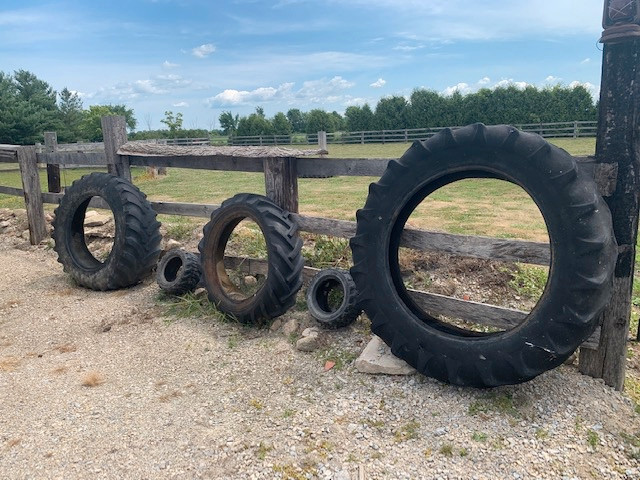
x,y
169,396
13,442
92,379
66,348
59,370
9,364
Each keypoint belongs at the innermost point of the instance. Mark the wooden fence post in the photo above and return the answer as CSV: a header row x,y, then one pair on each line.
x,y
322,140
618,141
28,162
53,171
114,133
281,182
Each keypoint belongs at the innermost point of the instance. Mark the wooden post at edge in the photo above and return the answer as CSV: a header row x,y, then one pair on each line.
x,y
281,182
114,133
28,162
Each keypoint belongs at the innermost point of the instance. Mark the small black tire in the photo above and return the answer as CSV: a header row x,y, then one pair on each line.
x,y
583,256
319,303
178,272
136,244
284,259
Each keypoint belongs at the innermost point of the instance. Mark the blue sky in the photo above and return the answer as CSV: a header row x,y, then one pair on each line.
x,y
203,57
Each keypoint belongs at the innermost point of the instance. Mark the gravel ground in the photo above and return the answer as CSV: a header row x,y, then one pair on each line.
x,y
102,385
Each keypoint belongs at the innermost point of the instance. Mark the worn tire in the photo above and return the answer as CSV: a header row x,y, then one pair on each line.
x,y
318,293
178,272
136,244
284,259
583,253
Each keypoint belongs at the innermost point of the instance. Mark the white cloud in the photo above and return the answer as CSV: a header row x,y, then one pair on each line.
x,y
311,92
585,61
203,51
378,83
594,90
552,79
484,81
168,64
181,104
461,87
408,48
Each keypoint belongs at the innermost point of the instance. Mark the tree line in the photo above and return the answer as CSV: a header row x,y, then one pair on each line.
x,y
29,107
427,108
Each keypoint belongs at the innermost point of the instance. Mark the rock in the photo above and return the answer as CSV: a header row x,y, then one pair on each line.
x,y
250,281
200,293
290,327
276,325
5,224
308,344
96,219
311,331
48,217
171,244
377,358
25,235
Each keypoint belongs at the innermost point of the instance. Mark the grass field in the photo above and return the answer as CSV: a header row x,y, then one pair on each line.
x,y
473,207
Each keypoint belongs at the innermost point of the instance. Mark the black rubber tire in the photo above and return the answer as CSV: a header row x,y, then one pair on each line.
x,y
284,259
318,298
583,254
136,244
178,272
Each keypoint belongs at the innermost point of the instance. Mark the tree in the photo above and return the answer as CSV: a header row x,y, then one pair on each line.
x,y
174,123
91,127
228,123
71,116
281,124
298,120
319,120
392,113
253,125
359,119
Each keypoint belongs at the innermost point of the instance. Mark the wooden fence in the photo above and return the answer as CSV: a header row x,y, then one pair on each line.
x,y
281,185
573,129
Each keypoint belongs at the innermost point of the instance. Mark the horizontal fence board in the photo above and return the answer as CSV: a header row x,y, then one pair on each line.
x,y
468,246
368,167
205,162
186,209
11,191
73,158
434,304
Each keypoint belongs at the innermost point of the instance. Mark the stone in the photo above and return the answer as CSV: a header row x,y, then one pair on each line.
x,y
311,331
96,220
5,224
171,244
250,281
308,344
290,326
276,325
378,359
200,293
25,235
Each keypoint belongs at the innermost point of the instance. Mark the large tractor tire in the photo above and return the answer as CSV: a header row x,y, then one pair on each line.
x,y
284,263
582,243
136,245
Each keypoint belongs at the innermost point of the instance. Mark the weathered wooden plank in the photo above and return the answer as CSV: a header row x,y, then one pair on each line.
x,y
8,154
478,247
218,162
53,171
32,194
618,142
367,167
281,182
114,131
186,209
434,304
18,192
73,158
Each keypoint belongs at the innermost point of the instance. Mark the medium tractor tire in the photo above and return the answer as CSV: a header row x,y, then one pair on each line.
x,y
582,243
319,302
136,244
284,259
178,272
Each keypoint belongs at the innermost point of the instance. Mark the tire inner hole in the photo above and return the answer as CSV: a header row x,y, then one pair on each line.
x,y
330,296
172,269
99,229
485,207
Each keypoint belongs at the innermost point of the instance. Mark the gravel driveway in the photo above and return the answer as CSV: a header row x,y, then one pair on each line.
x,y
101,385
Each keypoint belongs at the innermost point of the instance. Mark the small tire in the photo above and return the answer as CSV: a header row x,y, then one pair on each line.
x,y
583,256
178,272
136,245
319,302
284,259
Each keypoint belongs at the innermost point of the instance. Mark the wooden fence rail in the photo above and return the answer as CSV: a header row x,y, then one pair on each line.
x,y
281,174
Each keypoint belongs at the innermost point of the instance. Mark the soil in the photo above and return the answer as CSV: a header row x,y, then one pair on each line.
x,y
107,385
